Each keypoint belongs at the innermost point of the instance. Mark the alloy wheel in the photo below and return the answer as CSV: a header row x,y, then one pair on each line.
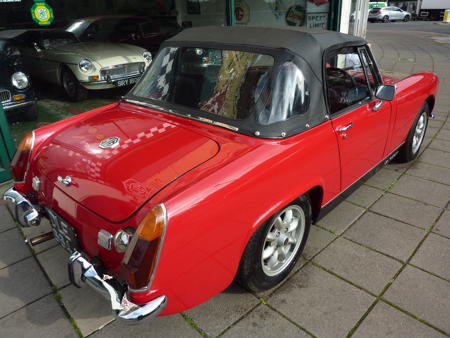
x,y
283,240
419,132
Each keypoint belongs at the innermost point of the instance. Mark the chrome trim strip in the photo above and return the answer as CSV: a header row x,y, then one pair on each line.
x,y
123,65
14,105
82,271
189,116
112,79
158,254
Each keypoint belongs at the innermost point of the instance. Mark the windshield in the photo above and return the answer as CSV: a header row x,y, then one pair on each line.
x,y
226,83
55,40
77,26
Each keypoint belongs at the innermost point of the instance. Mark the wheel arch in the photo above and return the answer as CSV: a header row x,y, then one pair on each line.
x,y
62,67
431,101
316,197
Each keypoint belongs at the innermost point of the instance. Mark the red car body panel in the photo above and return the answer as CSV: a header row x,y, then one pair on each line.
x,y
362,146
228,186
113,183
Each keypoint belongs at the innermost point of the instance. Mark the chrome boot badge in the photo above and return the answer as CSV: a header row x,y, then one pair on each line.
x,y
110,142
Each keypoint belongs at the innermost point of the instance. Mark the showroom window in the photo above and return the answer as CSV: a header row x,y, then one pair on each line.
x,y
301,13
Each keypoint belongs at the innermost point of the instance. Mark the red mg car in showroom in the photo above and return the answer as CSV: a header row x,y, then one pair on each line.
x,y
214,166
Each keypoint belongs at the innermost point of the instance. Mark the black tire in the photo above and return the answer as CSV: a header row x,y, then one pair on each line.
x,y
386,19
74,91
30,113
251,273
409,151
406,18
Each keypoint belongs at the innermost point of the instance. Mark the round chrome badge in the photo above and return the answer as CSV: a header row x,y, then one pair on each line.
x,y
110,142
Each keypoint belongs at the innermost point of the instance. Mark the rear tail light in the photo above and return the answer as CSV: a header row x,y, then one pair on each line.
x,y
21,160
141,257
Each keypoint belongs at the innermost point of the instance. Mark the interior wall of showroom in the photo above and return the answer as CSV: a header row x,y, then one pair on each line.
x,y
319,14
347,16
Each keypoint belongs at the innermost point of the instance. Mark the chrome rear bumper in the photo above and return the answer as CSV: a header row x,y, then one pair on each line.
x,y
81,271
26,214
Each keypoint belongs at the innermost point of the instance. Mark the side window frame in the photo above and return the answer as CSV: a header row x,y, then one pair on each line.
x,y
355,105
368,69
374,64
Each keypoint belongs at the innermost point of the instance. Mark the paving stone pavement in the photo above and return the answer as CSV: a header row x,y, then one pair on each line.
x,y
377,266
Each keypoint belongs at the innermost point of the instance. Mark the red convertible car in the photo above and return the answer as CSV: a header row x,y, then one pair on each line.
x,y
216,163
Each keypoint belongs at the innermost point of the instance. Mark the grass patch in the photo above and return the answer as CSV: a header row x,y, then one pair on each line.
x,y
193,324
50,110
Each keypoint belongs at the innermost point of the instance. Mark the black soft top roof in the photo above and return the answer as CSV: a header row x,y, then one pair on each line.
x,y
308,43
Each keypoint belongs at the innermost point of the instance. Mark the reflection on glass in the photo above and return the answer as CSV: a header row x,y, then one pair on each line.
x,y
303,13
221,82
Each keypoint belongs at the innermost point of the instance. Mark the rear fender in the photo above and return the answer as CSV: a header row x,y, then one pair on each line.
x,y
212,217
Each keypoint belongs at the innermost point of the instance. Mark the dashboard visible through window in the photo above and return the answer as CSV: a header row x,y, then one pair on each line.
x,y
346,80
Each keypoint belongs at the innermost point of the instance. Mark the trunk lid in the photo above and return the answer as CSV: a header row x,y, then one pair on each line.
x,y
115,182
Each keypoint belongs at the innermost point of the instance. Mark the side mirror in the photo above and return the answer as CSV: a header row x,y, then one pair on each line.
x,y
385,92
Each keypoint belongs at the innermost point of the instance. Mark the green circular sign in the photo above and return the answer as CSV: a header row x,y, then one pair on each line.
x,y
42,13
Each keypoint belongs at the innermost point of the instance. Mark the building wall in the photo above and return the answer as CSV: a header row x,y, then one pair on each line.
x,y
354,14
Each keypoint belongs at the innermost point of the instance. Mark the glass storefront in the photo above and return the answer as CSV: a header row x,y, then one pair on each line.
x,y
306,13
302,13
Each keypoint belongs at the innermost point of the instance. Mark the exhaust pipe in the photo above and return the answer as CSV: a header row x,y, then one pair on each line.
x,y
40,239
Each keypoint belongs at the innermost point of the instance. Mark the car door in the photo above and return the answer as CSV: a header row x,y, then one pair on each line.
x,y
389,11
397,13
361,122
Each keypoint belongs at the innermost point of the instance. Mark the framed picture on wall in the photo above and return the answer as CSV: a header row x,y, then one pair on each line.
x,y
193,6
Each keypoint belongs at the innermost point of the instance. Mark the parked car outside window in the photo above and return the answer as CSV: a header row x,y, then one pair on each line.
x,y
388,14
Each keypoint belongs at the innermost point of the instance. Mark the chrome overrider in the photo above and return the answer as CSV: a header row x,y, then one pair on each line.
x,y
26,214
82,271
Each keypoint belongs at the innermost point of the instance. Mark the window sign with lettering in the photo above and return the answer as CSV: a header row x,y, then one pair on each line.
x,y
301,13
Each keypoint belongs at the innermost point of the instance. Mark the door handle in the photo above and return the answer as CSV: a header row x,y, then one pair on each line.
x,y
377,105
345,128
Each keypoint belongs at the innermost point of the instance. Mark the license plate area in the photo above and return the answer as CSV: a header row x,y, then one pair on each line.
x,y
64,234
126,82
